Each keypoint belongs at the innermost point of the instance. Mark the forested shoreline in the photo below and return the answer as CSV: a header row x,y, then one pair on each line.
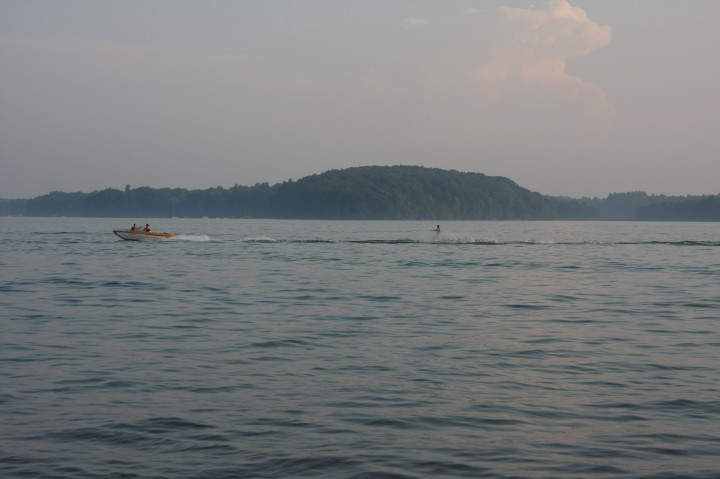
x,y
372,192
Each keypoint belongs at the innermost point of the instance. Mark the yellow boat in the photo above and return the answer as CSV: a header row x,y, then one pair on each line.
x,y
139,235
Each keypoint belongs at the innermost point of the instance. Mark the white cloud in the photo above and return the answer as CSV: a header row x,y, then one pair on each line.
x,y
537,46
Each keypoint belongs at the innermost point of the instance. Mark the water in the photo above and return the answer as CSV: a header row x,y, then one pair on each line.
x,y
279,349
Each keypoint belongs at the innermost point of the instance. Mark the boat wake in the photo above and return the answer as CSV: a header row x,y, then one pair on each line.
x,y
454,238
190,238
469,240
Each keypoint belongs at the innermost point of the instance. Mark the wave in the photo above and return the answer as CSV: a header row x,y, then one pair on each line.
x,y
452,239
259,239
468,240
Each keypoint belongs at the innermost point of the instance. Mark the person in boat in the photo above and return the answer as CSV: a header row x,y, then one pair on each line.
x,y
147,227
134,227
437,229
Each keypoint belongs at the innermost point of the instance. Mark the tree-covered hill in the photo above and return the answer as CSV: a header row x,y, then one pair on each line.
x,y
407,192
369,192
372,192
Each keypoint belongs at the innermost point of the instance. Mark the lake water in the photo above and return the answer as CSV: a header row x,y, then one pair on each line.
x,y
332,349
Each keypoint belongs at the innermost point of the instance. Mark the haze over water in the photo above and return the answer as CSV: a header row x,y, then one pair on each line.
x,y
274,349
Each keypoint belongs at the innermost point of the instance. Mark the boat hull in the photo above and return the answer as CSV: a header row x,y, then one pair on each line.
x,y
142,235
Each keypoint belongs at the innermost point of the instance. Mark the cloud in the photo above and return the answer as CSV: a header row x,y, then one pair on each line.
x,y
412,23
536,47
563,29
473,11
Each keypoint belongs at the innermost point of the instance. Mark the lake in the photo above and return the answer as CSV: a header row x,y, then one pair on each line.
x,y
368,349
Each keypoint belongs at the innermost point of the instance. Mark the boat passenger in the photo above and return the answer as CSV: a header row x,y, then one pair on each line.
x,y
147,227
437,229
134,227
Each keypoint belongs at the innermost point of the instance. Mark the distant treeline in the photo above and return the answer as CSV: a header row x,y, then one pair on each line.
x,y
372,192
641,206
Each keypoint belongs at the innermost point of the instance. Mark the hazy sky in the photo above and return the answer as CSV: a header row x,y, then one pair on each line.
x,y
578,97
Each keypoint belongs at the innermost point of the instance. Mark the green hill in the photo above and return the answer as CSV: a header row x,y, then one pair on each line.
x,y
368,192
407,192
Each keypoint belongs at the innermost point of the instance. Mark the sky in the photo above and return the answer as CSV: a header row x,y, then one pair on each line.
x,y
568,98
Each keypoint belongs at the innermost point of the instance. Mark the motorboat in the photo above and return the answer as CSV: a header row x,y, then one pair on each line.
x,y
140,235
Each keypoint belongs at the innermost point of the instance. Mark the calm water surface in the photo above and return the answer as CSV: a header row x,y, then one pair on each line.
x,y
282,349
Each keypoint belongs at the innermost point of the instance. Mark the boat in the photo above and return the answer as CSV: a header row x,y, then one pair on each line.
x,y
139,235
